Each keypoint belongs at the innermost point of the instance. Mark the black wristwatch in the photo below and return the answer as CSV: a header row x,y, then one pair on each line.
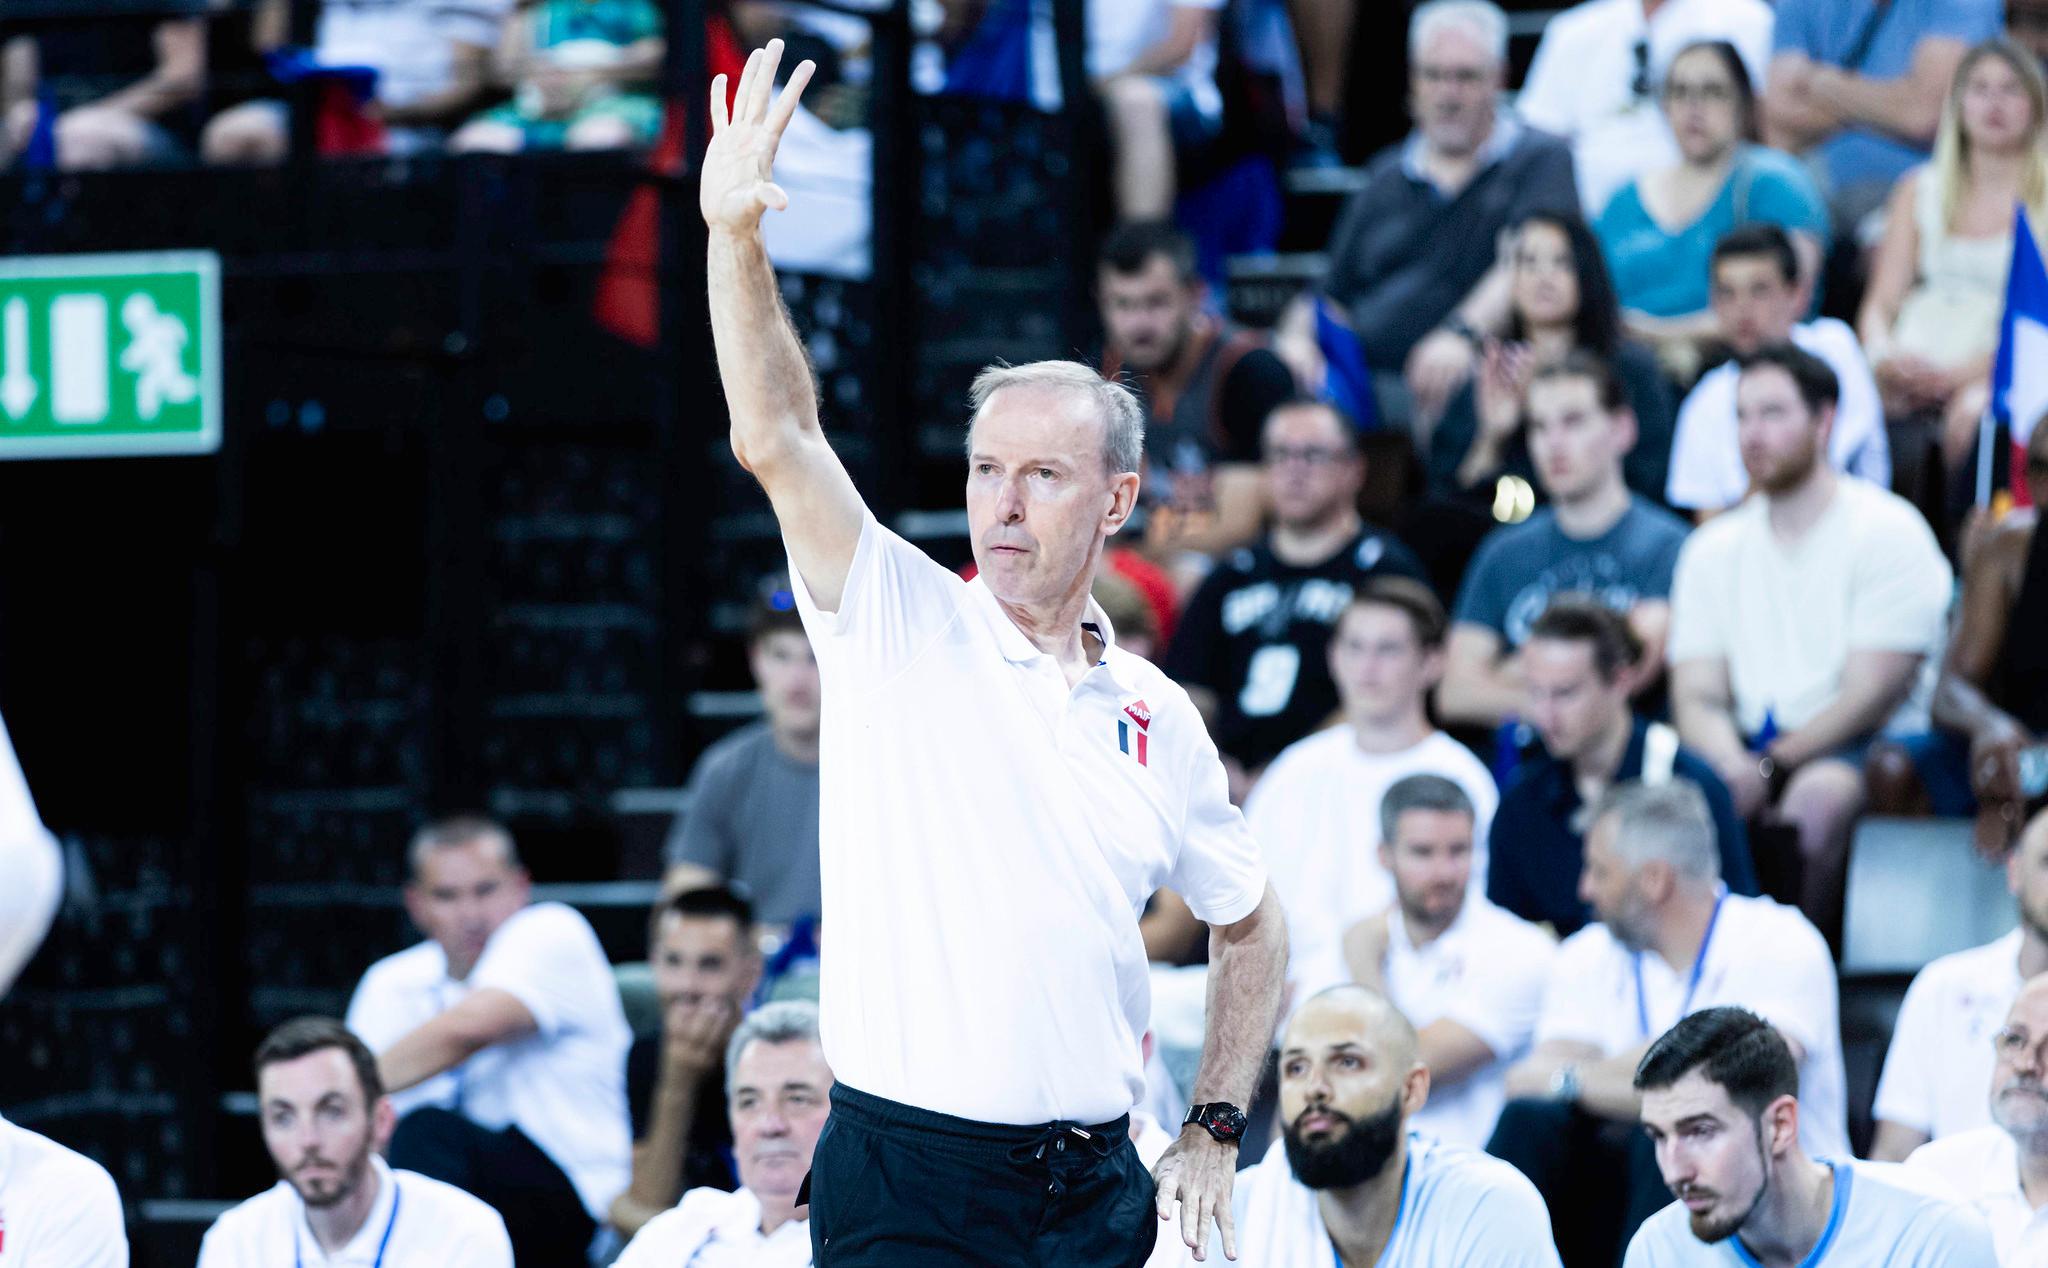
x,y
1220,1119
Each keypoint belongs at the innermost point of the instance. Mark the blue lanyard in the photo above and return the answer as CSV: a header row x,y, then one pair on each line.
x,y
382,1245
1692,983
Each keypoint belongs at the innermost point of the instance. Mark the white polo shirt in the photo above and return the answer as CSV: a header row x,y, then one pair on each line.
x,y
710,1228
1316,816
57,1207
1762,956
1486,973
987,838
32,866
1937,1072
565,1086
1982,1167
415,1222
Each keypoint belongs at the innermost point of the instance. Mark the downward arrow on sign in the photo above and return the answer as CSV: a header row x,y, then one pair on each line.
x,y
17,387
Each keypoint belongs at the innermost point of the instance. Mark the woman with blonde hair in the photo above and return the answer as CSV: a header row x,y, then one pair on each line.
x,y
1930,317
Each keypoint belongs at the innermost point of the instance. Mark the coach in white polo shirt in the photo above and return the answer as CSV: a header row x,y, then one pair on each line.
x,y
337,1204
57,1207
29,861
1002,788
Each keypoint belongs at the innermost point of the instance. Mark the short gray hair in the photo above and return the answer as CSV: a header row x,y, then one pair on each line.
x,y
457,830
1123,419
1482,19
784,1021
1667,822
1421,792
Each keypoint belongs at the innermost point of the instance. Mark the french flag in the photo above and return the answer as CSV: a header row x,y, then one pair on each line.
x,y
1138,714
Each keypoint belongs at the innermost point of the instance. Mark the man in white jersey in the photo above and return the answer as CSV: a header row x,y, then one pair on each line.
x,y
30,862
57,1206
1468,975
1001,789
1670,940
325,1121
1721,1105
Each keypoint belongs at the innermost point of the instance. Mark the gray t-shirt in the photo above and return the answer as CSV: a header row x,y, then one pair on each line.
x,y
1518,570
753,818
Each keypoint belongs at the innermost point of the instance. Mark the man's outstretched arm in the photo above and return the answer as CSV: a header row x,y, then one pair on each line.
x,y
769,389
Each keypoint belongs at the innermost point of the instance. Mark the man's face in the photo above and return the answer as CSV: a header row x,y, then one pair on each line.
x,y
787,674
1381,668
1341,1095
1430,859
1040,498
1455,88
1614,892
1782,439
1148,314
1711,1154
699,960
1576,443
781,1093
316,1126
1571,706
2019,1101
1313,470
1753,302
461,895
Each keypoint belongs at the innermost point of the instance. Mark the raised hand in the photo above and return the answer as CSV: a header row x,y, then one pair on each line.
x,y
737,183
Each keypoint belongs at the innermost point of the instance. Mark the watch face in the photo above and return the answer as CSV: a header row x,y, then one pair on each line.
x,y
1226,1122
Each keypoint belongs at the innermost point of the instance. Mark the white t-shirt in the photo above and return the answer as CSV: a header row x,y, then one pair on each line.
x,y
428,1224
1119,33
1937,1073
57,1207
410,42
1761,955
1486,973
565,1086
1582,82
1982,1167
1316,816
987,838
32,866
1706,457
1883,1217
710,1228
1868,576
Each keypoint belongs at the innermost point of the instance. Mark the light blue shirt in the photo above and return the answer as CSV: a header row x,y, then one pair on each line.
x,y
1881,1219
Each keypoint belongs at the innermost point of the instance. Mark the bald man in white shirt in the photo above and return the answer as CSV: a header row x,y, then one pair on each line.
x,y
57,1206
29,861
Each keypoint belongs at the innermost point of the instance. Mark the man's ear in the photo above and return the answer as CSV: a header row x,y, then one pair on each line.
x,y
1123,499
383,1121
1414,1090
1781,1126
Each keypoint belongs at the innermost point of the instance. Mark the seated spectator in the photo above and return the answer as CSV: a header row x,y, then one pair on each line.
x,y
1938,1067
1660,228
1578,664
1800,624
1757,300
1723,1108
706,965
1595,537
1560,302
1316,812
61,1207
508,1024
326,1122
1350,1183
1468,975
126,92
1930,317
1414,261
778,1091
33,866
1857,86
1154,64
1671,941
1206,385
582,74
752,817
1597,66
1252,647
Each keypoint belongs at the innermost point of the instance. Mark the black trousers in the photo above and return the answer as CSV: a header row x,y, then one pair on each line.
x,y
894,1186
1598,1177
546,1220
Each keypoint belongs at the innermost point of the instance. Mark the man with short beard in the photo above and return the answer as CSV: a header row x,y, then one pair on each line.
x,y
1349,1180
1721,1106
325,1121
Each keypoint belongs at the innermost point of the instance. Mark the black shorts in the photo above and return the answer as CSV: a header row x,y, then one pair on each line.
x,y
893,1185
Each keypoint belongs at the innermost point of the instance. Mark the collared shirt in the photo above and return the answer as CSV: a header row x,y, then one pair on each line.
x,y
1486,973
57,1207
1498,145
1982,1167
563,1086
710,1228
1761,955
987,838
30,862
1937,1072
415,1222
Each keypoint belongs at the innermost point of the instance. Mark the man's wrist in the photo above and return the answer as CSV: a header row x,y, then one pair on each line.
x,y
1564,1083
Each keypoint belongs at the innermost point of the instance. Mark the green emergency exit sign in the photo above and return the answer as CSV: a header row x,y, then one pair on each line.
x,y
110,355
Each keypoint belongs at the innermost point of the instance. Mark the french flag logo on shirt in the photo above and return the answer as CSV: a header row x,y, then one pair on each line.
x,y
1137,719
